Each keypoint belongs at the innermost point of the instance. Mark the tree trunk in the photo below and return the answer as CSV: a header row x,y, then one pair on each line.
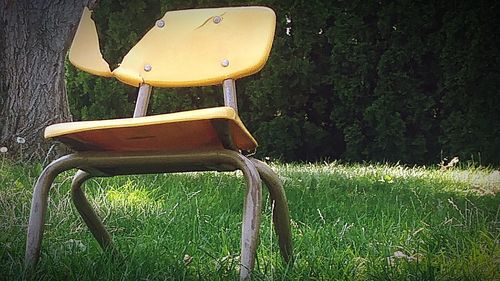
x,y
35,37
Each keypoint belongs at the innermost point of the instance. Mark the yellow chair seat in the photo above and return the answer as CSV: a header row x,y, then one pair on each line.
x,y
175,132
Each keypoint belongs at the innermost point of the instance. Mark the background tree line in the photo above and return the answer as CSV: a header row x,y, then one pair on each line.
x,y
409,81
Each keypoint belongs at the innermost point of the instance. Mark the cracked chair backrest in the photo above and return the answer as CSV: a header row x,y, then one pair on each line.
x,y
185,48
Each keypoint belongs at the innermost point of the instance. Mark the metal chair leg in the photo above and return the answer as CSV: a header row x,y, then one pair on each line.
x,y
251,218
122,164
281,216
39,207
88,214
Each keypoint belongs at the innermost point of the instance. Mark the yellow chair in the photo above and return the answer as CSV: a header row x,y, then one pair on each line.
x,y
185,48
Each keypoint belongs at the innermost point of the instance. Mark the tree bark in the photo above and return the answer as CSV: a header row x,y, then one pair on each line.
x,y
35,38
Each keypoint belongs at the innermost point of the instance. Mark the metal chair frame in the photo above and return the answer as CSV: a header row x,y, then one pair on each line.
x,y
105,164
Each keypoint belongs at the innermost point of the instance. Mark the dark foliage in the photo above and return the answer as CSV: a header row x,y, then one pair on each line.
x,y
409,81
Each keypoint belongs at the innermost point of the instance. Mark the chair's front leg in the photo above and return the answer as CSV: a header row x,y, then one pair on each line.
x,y
39,207
251,218
281,216
87,212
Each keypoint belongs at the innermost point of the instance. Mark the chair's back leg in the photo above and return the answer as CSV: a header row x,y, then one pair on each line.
x,y
87,212
281,216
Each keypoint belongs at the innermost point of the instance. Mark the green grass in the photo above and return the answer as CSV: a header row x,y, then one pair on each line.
x,y
349,222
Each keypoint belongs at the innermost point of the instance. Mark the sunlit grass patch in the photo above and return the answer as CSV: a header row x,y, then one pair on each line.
x,y
130,196
349,222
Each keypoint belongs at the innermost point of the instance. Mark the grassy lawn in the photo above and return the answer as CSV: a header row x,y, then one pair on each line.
x,y
349,222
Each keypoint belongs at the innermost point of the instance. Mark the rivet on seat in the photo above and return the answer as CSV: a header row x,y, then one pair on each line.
x,y
225,63
217,19
147,67
160,23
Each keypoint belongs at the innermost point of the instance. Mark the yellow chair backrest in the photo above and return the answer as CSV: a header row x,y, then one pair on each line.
x,y
188,48
84,52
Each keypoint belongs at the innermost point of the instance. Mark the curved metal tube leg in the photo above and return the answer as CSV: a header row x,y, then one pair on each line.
x,y
145,163
39,208
251,218
281,216
37,217
88,214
